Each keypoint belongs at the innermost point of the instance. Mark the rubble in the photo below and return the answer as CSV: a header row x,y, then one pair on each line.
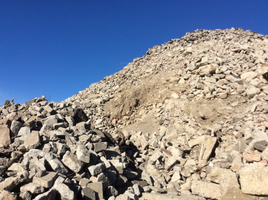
x,y
186,121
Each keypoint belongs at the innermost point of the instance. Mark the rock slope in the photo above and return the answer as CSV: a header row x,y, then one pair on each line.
x,y
186,121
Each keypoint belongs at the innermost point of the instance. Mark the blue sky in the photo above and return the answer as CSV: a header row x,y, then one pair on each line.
x,y
57,48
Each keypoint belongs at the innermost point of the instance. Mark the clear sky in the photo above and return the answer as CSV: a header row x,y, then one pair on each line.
x,y
57,48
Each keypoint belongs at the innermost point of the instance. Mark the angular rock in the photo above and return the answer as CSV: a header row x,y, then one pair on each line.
x,y
65,192
208,69
260,145
252,91
249,75
152,196
89,194
14,128
32,140
123,197
253,180
4,136
46,180
50,194
6,195
83,153
96,169
24,131
170,162
252,156
79,115
100,146
98,188
206,189
55,163
38,167
207,146
9,183
70,160
34,188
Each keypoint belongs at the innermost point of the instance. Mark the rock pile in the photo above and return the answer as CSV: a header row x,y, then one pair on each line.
x,y
186,121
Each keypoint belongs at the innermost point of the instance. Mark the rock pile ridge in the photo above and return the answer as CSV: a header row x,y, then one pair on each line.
x,y
188,120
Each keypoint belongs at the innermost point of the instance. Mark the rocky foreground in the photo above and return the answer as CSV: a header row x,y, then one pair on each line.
x,y
186,121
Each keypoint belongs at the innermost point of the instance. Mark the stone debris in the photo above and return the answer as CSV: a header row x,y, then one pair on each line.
x,y
186,121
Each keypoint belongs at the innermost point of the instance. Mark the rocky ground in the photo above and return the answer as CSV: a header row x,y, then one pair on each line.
x,y
186,121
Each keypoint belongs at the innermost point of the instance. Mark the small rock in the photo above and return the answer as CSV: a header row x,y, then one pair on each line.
x,y
46,180
252,156
6,195
96,169
252,91
206,189
260,145
34,188
79,115
65,192
70,160
254,180
4,136
14,128
32,140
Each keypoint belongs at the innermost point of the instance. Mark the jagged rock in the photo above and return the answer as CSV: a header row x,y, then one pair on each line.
x,y
96,169
55,163
65,192
37,166
70,160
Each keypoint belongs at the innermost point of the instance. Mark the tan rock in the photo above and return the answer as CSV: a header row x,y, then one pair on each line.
x,y
206,189
4,135
6,195
47,180
249,75
151,196
97,187
70,160
254,180
252,156
208,69
206,149
32,140
65,192
235,195
9,183
34,188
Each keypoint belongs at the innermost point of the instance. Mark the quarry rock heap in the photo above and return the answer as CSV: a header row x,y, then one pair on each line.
x,y
188,120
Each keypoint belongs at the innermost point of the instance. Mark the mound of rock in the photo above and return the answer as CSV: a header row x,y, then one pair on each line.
x,y
186,121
